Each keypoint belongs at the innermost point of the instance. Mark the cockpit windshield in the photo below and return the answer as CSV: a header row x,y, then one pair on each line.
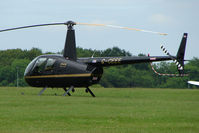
x,y
40,65
30,65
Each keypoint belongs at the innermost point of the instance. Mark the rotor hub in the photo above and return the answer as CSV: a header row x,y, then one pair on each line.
x,y
70,24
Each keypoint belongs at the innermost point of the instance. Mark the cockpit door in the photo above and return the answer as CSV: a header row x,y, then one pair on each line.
x,y
44,66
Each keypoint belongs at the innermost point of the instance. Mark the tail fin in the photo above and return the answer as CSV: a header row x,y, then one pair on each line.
x,y
181,53
70,44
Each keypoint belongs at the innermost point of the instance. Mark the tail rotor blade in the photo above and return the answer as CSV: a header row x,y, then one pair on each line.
x,y
121,27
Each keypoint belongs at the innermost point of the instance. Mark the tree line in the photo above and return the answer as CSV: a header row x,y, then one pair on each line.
x,y
14,61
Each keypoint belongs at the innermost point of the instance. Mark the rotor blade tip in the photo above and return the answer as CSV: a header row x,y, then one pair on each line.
x,y
164,34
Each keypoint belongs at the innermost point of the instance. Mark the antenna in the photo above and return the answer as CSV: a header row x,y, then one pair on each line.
x,y
93,53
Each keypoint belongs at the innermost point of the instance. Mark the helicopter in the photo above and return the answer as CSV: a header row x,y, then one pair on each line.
x,y
193,82
63,71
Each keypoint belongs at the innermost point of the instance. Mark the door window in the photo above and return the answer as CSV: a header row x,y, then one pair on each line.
x,y
39,65
50,64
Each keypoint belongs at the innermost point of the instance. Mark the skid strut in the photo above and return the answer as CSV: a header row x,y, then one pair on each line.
x,y
67,91
42,91
88,90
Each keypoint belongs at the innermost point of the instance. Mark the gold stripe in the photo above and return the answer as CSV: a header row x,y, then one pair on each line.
x,y
61,76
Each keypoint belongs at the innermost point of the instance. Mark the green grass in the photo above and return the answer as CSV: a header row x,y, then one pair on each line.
x,y
114,110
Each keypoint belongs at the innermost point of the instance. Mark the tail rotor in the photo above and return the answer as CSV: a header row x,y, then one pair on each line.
x,y
178,59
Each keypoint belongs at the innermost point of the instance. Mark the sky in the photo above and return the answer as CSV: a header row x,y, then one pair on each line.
x,y
168,16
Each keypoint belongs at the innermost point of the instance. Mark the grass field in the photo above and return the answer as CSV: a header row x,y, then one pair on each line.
x,y
114,110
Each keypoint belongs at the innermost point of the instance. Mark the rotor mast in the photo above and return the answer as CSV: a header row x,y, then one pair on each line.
x,y
70,44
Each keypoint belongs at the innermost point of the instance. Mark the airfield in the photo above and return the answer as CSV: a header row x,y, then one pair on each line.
x,y
133,110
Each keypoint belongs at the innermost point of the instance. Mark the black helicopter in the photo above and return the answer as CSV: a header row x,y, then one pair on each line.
x,y
69,71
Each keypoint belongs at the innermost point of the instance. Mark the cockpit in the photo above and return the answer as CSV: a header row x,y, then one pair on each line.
x,y
40,65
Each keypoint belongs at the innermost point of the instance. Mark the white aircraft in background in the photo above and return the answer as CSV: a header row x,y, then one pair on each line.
x,y
194,82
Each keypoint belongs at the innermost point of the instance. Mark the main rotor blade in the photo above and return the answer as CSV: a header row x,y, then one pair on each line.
x,y
69,22
39,25
120,27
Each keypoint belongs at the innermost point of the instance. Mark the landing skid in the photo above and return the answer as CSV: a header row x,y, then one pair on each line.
x,y
67,92
73,90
